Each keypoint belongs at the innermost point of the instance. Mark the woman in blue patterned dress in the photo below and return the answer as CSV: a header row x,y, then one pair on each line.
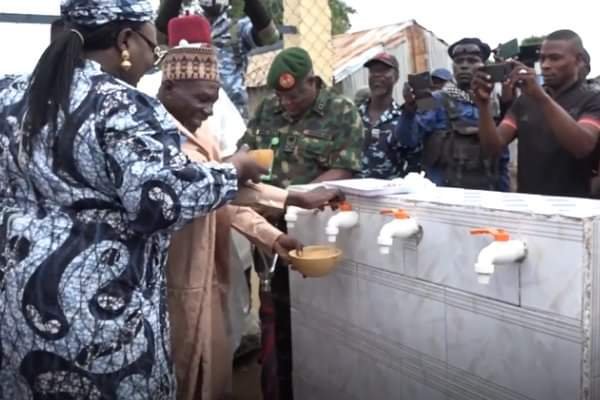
x,y
92,184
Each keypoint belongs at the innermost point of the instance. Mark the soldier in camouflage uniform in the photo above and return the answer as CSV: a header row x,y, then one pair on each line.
x,y
233,39
383,156
316,136
314,143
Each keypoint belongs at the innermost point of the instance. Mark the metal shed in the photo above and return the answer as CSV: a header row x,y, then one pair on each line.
x,y
416,48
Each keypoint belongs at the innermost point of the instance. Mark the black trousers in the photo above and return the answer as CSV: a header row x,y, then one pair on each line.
x,y
277,331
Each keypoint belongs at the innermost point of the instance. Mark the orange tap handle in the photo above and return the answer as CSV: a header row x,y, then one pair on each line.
x,y
342,206
345,206
499,235
396,213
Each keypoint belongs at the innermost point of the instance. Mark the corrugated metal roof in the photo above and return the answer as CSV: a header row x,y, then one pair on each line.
x,y
352,50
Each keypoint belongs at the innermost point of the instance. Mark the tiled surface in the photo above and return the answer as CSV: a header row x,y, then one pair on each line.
x,y
318,389
552,276
335,294
531,363
310,228
360,244
447,256
595,394
380,382
321,356
411,319
386,326
592,304
329,363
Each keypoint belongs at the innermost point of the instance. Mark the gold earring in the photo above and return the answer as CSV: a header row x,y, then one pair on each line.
x,y
125,63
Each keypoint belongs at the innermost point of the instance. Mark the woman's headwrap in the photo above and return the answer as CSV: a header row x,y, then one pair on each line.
x,y
100,12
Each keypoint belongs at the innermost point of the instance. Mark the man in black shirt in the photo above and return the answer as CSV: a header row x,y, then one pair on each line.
x,y
557,124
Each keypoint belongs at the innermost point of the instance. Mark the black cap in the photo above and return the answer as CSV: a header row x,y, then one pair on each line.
x,y
484,49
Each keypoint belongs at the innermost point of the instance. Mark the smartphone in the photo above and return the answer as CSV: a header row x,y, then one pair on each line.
x,y
498,72
422,85
508,50
420,82
530,54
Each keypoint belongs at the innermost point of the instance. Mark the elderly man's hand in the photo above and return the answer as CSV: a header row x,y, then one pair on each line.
x,y
247,168
317,198
284,244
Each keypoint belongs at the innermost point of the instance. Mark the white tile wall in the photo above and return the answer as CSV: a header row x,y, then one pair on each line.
x,y
416,324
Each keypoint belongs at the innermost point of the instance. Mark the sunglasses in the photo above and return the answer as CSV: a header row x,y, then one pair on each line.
x,y
159,54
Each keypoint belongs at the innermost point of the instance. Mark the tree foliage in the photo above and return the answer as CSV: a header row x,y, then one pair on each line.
x,y
340,16
340,13
532,40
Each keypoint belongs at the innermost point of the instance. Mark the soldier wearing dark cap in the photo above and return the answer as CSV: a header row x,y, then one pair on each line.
x,y
383,157
448,133
316,136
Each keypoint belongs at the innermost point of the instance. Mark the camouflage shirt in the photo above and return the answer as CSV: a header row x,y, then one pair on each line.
x,y
328,136
382,156
233,41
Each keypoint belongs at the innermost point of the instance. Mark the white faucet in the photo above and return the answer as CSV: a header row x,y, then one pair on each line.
x,y
292,213
345,218
502,250
402,227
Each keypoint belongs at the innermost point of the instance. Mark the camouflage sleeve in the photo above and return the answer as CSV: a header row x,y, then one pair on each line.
x,y
348,142
269,35
249,137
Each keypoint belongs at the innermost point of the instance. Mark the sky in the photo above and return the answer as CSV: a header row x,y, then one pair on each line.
x,y
493,22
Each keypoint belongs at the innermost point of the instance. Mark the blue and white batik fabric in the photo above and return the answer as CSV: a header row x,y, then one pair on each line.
x,y
234,41
85,223
100,12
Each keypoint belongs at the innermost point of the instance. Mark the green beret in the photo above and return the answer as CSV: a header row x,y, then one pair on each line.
x,y
289,66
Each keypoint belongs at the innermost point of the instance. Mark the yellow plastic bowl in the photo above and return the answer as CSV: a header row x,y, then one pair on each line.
x,y
316,261
264,157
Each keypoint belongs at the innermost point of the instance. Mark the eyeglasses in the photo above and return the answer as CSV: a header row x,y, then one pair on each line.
x,y
159,53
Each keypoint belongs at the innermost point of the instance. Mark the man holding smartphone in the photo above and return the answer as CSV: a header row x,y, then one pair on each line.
x,y
446,133
557,124
382,157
